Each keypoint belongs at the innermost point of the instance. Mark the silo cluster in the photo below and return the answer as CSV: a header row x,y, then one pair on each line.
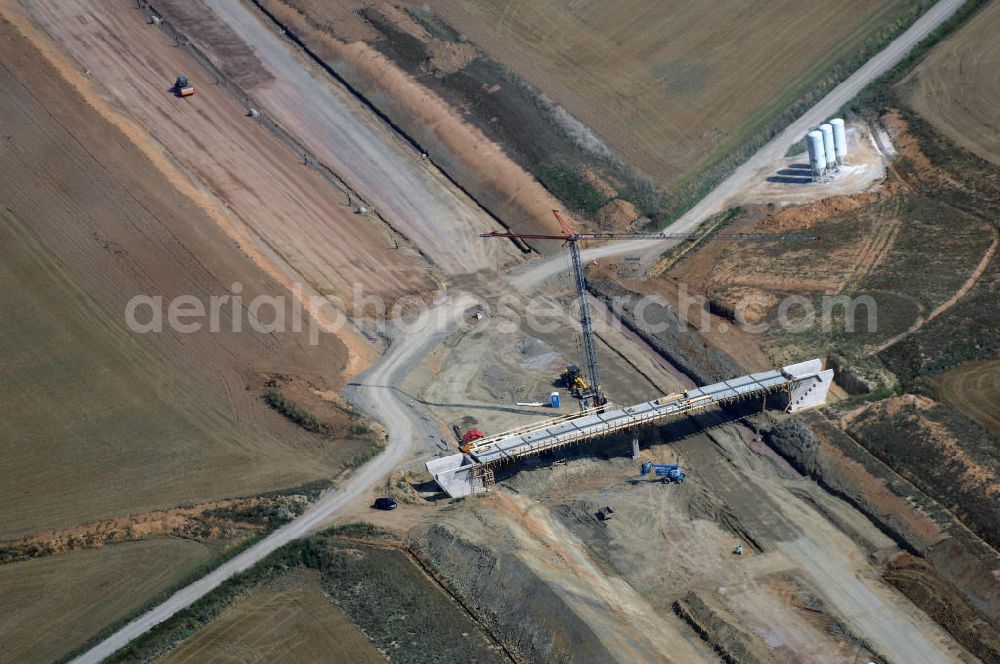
x,y
827,146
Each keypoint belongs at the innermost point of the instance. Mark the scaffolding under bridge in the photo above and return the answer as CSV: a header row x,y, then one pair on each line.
x,y
806,384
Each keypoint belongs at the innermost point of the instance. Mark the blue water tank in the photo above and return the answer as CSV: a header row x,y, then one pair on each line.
x,y
554,400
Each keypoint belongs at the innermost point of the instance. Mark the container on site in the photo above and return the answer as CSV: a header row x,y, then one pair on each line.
x,y
829,150
839,138
817,153
554,400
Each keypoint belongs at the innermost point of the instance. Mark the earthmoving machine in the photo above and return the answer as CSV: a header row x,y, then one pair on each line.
x,y
469,440
574,381
591,395
669,472
182,87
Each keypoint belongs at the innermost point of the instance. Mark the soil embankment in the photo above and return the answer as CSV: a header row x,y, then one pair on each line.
x,y
954,579
475,162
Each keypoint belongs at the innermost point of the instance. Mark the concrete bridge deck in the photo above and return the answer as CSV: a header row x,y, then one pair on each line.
x,y
461,474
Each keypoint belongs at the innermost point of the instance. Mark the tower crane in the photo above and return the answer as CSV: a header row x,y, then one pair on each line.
x,y
592,395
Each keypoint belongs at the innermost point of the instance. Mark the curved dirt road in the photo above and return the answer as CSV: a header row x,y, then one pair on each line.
x,y
375,389
375,392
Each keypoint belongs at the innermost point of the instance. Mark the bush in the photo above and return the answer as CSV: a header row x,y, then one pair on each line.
x,y
360,530
566,183
368,454
294,412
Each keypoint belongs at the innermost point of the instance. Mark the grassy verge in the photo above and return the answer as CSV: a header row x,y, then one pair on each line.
x,y
565,182
433,24
359,428
702,234
265,517
165,636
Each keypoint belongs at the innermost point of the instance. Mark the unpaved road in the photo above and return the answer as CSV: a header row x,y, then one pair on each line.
x,y
410,193
265,189
757,166
373,390
389,371
969,284
836,564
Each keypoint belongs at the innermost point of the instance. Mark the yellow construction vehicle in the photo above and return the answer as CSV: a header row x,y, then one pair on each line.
x,y
573,380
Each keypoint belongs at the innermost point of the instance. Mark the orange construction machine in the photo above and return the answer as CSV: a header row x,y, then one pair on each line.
x,y
469,439
182,88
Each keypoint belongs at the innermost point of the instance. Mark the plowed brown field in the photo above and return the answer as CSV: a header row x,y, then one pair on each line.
x,y
974,389
957,86
51,606
670,85
100,421
289,620
264,185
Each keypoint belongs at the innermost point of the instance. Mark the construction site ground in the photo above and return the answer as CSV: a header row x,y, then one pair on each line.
x,y
196,183
807,585
790,181
792,590
264,185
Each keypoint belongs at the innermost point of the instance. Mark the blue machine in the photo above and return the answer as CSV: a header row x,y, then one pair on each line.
x,y
669,472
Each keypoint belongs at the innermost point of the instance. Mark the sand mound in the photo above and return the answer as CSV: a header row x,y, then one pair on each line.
x,y
618,215
599,183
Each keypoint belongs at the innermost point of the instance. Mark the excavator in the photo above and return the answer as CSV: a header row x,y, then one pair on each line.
x,y
669,472
572,378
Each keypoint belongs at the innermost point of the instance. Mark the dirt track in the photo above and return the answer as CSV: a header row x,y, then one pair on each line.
x,y
411,194
262,183
969,284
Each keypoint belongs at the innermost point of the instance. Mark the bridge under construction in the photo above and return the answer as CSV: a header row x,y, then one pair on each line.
x,y
806,385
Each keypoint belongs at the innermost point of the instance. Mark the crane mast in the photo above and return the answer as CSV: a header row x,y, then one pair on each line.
x,y
594,396
594,388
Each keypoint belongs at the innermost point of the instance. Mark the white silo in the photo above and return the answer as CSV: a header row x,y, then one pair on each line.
x,y
829,150
817,153
839,139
